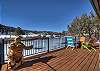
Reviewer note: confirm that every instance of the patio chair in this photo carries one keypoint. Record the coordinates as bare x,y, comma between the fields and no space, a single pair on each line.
69,42
90,45
97,44
77,42
82,39
94,43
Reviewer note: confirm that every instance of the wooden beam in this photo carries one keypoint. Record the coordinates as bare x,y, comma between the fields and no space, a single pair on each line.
96,6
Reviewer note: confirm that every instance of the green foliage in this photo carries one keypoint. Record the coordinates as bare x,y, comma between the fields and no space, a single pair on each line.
83,25
19,31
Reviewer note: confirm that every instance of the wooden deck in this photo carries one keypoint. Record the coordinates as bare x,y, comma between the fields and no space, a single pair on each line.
64,60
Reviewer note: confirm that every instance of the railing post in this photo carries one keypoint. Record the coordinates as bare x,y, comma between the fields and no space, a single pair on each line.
1,51
59,42
48,44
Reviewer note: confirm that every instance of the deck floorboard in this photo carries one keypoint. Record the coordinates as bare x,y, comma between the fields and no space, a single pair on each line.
64,60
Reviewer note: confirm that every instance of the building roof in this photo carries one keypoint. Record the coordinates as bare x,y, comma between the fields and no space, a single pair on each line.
96,6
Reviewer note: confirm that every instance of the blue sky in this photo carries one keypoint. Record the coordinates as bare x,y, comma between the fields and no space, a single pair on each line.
50,15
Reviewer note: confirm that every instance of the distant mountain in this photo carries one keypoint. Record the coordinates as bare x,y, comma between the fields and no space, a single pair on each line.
10,30
6,29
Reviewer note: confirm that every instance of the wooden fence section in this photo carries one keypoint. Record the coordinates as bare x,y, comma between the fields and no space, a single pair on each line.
64,60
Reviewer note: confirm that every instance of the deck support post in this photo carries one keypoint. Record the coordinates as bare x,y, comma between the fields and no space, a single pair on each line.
1,52
48,44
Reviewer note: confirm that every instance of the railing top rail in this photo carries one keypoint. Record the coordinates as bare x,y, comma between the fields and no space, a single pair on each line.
26,38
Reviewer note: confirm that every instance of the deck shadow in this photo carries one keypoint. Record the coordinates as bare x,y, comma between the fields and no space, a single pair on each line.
34,61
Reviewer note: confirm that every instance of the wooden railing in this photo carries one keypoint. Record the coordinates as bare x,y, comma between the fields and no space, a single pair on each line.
40,45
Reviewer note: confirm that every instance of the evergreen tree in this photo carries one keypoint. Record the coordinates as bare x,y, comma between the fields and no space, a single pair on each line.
19,31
